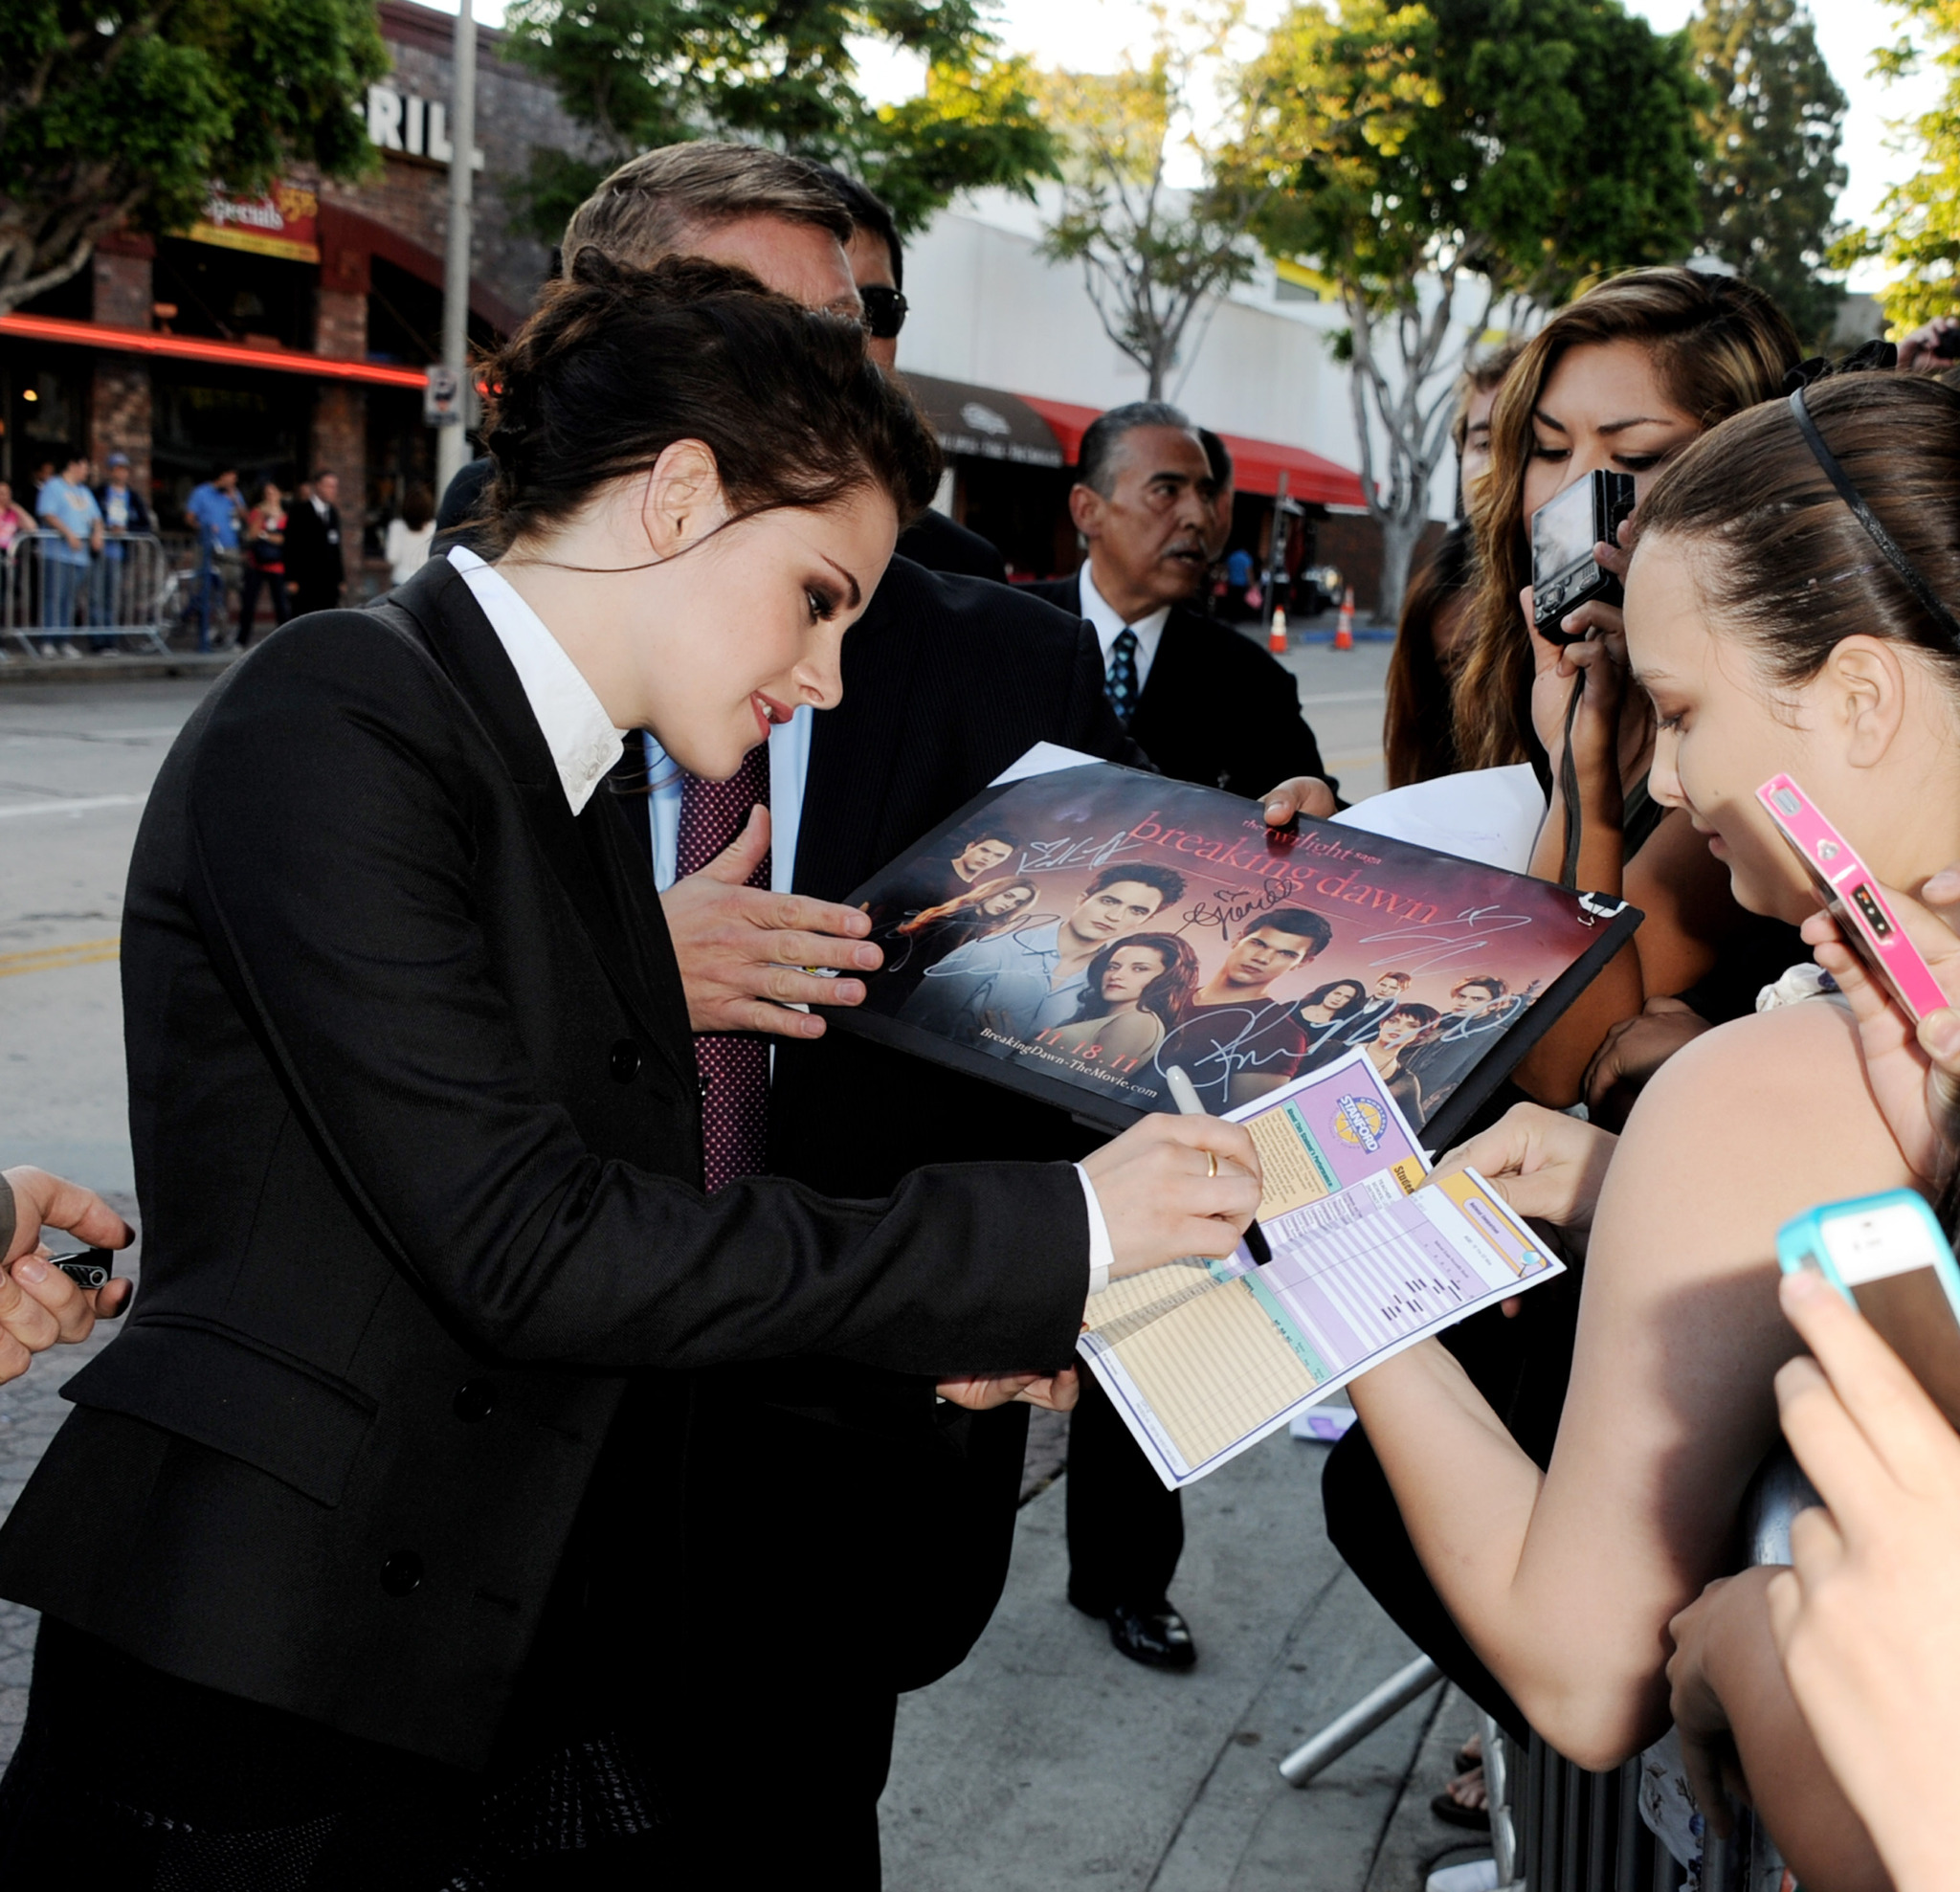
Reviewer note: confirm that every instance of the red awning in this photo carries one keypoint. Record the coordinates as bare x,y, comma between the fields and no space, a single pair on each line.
195,348
1256,464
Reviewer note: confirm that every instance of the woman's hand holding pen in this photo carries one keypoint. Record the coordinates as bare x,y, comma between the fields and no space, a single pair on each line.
1175,1185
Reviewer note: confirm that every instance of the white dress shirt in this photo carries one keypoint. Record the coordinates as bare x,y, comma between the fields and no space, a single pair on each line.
585,747
1109,625
578,732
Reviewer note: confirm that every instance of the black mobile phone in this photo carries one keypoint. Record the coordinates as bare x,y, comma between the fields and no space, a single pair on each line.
1564,531
86,1267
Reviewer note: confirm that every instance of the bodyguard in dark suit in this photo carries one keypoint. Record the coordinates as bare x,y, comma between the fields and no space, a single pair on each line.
371,1491
316,561
1205,705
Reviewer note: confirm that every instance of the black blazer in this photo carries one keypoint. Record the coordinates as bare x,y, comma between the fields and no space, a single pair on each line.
1215,708
416,1131
315,554
941,544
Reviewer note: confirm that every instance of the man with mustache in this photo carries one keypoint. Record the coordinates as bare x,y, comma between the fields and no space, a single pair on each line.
1201,700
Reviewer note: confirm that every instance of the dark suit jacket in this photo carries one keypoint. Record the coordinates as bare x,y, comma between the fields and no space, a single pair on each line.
896,1512
417,1132
1215,708
315,562
939,545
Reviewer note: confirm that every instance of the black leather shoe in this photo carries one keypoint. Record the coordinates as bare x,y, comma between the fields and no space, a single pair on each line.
1154,1635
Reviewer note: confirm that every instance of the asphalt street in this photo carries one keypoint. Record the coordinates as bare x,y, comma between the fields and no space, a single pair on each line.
1045,1760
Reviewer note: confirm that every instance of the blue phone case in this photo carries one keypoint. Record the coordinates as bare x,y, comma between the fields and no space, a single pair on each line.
1806,1242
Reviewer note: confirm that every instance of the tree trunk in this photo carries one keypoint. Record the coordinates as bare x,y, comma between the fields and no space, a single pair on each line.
1401,534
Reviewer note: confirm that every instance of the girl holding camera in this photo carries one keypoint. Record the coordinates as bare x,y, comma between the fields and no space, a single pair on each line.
1621,380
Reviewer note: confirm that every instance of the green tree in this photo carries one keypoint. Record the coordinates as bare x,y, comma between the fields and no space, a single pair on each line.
642,73
1440,161
1153,255
1773,123
1917,227
117,114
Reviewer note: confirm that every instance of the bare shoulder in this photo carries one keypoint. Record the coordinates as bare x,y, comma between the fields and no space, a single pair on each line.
1751,1123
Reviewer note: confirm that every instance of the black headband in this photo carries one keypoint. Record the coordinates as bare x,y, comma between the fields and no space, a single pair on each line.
1869,520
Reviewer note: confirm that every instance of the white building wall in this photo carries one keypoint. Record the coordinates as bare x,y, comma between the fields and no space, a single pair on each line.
987,308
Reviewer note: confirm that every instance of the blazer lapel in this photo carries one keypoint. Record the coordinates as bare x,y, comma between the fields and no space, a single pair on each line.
470,653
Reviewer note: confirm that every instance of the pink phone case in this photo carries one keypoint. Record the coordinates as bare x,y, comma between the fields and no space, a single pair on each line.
1853,896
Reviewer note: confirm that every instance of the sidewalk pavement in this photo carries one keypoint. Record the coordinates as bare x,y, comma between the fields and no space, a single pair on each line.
1047,1760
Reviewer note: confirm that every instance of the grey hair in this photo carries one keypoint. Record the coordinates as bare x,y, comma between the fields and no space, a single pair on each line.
1095,459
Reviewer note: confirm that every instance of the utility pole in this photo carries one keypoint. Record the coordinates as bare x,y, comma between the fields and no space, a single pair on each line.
452,440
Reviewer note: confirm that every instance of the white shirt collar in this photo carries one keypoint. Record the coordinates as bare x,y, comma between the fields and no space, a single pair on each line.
1109,625
578,732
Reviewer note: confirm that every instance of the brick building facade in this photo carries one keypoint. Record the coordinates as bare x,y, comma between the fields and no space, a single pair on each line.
217,347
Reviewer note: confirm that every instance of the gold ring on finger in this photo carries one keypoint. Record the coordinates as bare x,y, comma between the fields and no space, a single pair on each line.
1211,1159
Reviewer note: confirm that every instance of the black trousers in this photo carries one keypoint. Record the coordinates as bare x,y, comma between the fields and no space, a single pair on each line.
1126,1532
131,1780
1522,1367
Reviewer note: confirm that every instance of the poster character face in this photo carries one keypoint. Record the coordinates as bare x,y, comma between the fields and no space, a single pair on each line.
1256,959
983,856
1392,985
1471,995
1008,900
1129,971
1401,1025
1342,995
1121,907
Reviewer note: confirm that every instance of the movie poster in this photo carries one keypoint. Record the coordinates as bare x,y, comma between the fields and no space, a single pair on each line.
1074,934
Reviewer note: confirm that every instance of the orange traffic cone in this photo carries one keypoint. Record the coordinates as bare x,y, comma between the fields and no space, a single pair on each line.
1276,639
1344,625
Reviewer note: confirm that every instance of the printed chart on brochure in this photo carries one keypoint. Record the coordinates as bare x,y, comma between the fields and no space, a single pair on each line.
1203,1359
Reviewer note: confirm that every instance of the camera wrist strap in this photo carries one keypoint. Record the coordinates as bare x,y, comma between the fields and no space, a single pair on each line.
1568,789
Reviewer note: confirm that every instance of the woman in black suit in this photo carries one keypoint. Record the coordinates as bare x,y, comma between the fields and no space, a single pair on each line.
343,1554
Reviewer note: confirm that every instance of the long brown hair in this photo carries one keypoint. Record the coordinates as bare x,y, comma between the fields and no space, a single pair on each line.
1166,996
1718,345
1419,736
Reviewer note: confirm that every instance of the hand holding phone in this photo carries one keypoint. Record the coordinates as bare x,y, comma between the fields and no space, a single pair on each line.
1888,1256
1851,892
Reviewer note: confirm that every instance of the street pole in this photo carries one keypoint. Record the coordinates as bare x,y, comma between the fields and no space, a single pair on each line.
452,441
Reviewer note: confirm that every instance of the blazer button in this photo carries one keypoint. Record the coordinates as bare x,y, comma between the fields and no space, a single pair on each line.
402,1573
625,1062
475,1400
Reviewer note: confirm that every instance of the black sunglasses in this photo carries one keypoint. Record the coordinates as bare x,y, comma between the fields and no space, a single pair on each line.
884,309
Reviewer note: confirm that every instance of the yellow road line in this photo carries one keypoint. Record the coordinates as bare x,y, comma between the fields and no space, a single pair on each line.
48,958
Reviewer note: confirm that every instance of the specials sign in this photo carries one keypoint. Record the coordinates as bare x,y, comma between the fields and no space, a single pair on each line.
285,222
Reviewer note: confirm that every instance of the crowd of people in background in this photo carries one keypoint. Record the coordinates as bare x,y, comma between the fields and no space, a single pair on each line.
69,573
497,908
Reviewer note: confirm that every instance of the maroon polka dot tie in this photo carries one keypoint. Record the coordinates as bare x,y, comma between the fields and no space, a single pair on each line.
734,1066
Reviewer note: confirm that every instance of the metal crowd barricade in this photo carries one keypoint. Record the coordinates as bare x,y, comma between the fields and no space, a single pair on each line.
1556,1828
119,599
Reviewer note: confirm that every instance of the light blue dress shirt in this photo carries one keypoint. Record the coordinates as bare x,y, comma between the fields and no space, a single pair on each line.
789,771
